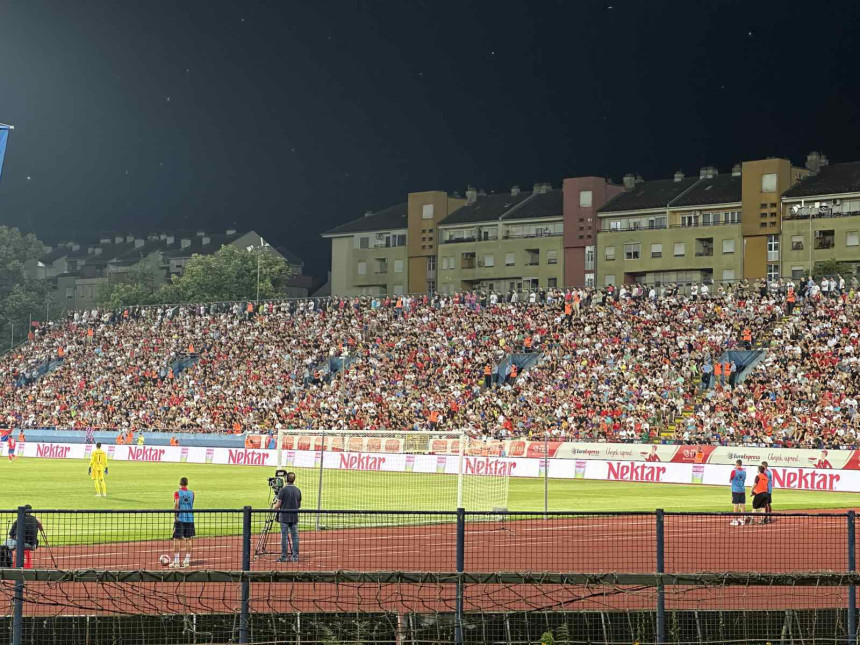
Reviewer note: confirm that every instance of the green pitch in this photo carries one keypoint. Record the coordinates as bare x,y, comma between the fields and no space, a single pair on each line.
64,484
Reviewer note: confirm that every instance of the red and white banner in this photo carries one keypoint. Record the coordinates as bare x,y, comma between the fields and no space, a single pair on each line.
627,470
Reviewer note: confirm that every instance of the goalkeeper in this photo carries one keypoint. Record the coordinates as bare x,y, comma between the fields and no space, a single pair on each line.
98,470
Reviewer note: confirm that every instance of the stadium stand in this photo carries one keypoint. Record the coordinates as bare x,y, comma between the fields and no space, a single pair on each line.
619,364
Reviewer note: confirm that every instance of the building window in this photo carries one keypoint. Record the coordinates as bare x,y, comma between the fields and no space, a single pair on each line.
733,217
552,283
797,273
728,246
768,184
431,286
773,248
589,258
467,260
824,239
398,266
431,263
689,220
589,279
533,257
609,253
679,250
852,238
608,279
631,251
398,289
362,268
489,260
552,257
728,275
510,259
797,242
704,247
427,211
585,198
772,272
364,242
656,250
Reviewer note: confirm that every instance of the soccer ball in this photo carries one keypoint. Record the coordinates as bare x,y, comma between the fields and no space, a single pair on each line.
164,560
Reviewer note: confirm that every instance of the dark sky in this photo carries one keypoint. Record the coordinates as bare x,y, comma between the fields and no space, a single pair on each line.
292,117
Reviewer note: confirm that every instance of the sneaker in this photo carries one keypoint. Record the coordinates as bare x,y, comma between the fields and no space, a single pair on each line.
735,523
174,564
186,563
282,560
295,558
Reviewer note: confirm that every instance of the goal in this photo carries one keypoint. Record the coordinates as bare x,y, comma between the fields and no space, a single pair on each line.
394,471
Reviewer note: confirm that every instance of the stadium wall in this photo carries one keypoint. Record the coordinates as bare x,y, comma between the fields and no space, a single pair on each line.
824,479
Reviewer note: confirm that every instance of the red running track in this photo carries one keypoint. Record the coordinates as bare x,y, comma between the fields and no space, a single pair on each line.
598,544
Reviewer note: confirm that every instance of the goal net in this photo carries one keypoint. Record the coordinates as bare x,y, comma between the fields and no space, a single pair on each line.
394,471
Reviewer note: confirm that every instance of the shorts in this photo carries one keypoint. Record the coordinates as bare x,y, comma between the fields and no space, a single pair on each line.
769,498
98,474
183,530
760,500
739,498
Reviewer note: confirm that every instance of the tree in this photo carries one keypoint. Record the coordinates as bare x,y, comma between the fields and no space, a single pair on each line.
20,297
230,274
144,285
829,268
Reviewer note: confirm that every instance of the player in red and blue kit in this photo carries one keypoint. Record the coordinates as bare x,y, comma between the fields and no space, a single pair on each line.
738,480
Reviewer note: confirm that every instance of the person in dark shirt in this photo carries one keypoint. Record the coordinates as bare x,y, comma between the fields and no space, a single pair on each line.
289,501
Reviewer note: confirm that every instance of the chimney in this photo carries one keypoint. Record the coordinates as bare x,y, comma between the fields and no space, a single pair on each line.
824,160
76,246
541,188
708,172
736,170
138,242
89,250
629,181
129,239
515,190
813,162
104,240
471,194
184,243
679,175
97,250
201,233
118,239
639,179
169,239
231,231
162,236
204,241
368,213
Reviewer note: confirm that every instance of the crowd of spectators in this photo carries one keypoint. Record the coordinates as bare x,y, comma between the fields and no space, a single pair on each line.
615,365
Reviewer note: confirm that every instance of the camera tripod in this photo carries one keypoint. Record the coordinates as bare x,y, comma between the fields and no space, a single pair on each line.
263,541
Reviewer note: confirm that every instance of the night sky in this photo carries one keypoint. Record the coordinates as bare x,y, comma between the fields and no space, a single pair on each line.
293,117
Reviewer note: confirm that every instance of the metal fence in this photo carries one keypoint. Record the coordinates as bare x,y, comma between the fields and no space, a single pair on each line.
422,577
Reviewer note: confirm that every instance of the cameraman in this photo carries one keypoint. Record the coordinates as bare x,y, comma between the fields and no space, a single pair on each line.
30,535
289,501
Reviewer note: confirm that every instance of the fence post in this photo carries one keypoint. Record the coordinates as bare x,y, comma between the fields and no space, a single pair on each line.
245,615
461,565
661,593
320,484
18,612
852,590
545,475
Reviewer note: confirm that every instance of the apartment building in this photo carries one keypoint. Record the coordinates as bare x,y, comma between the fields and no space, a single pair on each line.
392,250
583,197
821,217
696,229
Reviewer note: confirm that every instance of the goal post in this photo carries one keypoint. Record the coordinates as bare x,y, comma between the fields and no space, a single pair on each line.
395,471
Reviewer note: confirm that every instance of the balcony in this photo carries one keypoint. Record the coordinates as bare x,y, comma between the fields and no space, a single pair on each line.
631,227
703,224
826,214
705,253
523,236
824,240
457,240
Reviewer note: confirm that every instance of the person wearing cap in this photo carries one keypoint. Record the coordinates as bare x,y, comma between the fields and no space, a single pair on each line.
29,533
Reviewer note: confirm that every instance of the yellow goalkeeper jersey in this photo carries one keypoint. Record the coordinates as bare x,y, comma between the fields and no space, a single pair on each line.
98,459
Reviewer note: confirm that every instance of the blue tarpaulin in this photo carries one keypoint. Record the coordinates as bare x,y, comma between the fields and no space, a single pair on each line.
4,137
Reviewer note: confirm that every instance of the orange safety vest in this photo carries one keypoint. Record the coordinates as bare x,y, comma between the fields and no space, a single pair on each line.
727,368
434,416
747,335
487,370
528,341
568,309
190,348
718,369
700,457
791,296
761,484
513,371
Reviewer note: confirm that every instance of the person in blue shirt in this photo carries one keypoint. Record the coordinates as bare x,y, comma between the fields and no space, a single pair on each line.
183,524
738,479
767,508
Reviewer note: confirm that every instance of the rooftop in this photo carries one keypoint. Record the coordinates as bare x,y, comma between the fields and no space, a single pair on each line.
722,189
648,194
393,217
830,180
